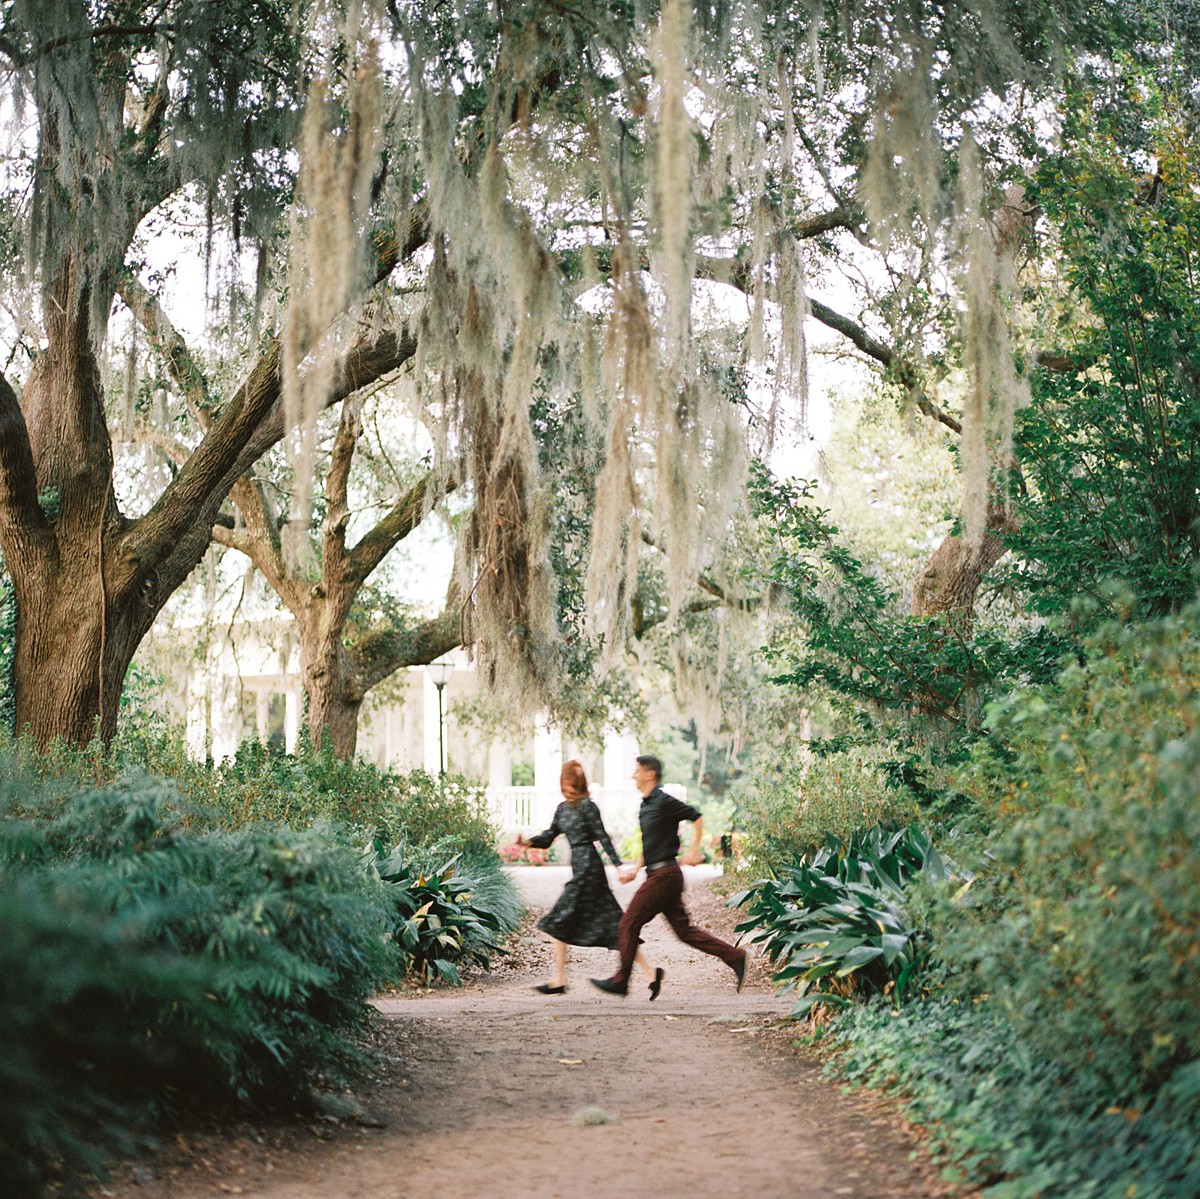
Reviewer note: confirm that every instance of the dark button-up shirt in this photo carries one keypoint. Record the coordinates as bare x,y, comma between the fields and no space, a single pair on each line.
659,817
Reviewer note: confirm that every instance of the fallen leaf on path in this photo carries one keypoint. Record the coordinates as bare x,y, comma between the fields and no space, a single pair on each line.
570,1061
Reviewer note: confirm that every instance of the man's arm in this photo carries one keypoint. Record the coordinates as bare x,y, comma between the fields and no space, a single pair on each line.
629,873
695,855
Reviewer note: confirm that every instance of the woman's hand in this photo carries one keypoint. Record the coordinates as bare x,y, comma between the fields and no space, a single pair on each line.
521,841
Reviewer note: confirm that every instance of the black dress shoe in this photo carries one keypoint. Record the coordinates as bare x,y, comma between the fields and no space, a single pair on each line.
547,989
656,985
607,984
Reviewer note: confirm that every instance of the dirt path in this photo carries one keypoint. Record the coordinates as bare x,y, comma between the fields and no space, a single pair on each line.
494,1091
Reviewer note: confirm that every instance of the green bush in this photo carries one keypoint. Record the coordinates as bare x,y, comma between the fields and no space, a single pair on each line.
175,966
792,810
1091,939
82,1003
1062,1056
261,783
999,1114
297,926
438,922
166,945
492,890
837,924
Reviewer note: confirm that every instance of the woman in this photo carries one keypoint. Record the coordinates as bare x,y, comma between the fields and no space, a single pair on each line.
586,912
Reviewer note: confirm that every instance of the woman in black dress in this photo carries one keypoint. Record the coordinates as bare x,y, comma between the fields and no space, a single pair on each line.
586,912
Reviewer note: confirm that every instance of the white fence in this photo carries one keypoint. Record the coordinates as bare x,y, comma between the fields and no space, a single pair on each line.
530,809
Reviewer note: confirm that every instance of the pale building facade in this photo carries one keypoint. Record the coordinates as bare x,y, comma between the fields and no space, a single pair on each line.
232,687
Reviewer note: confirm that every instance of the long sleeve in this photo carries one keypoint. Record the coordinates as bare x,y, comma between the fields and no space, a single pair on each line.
600,833
546,839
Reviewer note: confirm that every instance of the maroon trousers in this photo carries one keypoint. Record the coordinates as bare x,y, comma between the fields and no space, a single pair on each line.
662,892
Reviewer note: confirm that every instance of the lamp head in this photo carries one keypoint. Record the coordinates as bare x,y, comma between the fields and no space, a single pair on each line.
439,673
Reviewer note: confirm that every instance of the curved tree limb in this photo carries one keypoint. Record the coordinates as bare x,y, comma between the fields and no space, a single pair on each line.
182,365
887,357
382,652
24,529
404,516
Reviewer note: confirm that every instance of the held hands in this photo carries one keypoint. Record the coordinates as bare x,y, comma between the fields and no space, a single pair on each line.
627,874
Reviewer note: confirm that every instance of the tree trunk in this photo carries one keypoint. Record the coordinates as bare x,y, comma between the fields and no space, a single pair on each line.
77,624
950,579
334,690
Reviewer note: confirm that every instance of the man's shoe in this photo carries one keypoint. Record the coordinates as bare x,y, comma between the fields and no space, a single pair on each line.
547,989
740,971
656,985
607,984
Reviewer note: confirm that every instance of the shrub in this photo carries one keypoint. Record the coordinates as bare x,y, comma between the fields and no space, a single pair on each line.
1092,941
436,920
837,923
82,1000
261,783
154,957
1008,1118
793,810
1062,1058
297,925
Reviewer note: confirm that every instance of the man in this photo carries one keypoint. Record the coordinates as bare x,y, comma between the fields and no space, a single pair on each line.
659,817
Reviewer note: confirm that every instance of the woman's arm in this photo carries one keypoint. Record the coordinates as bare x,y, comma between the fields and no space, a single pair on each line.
600,833
543,840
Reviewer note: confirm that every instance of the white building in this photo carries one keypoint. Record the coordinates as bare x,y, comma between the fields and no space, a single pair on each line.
232,686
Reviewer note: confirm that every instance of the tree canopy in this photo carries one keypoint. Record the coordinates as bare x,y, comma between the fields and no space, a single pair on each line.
505,203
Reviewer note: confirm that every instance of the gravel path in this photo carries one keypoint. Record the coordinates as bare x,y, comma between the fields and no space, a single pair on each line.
495,1092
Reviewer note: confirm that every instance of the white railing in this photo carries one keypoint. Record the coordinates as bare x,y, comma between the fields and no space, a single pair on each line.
530,809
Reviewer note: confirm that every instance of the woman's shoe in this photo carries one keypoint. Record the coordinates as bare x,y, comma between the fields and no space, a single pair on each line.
656,985
547,989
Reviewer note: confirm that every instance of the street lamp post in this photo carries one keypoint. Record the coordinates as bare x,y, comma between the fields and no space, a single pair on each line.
439,676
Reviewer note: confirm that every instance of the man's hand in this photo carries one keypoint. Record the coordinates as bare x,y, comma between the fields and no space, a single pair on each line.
695,855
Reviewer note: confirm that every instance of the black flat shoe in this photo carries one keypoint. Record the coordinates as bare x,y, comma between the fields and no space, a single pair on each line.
547,989
656,985
607,984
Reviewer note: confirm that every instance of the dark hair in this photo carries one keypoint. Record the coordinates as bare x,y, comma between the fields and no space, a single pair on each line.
651,763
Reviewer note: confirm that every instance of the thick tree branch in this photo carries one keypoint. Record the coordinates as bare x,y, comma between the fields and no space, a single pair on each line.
382,652
741,603
238,538
337,478
845,216
182,365
395,244
903,371
404,516
24,528
642,624
249,426
262,524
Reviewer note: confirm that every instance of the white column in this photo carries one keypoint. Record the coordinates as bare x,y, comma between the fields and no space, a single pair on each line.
547,767
429,723
620,757
291,716
499,764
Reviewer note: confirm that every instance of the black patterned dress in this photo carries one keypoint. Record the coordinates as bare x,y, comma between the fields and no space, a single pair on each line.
586,912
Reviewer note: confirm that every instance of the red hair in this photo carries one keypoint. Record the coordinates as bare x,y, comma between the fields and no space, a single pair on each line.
573,781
